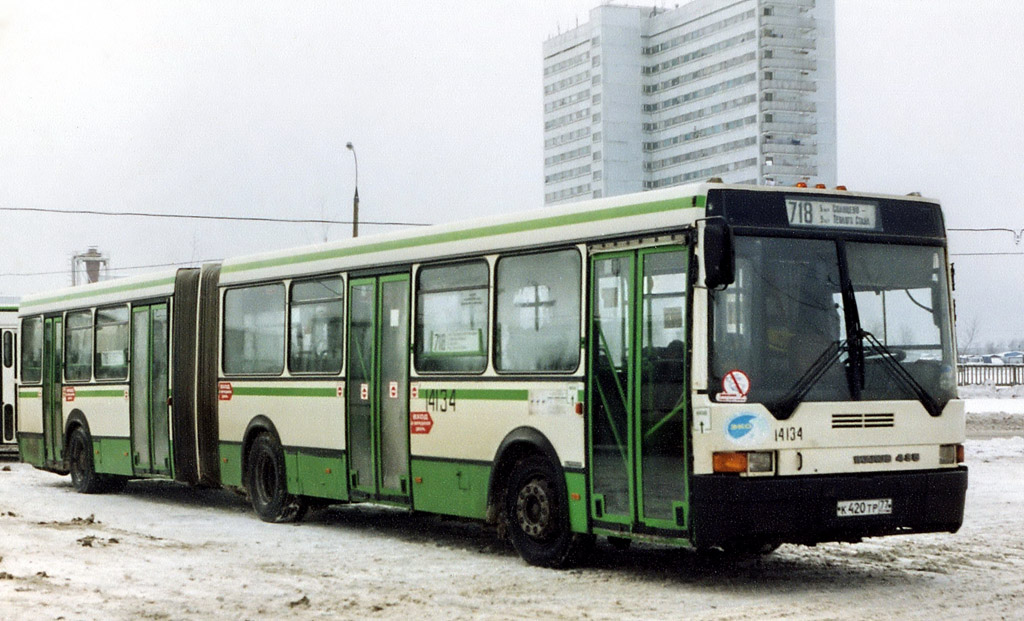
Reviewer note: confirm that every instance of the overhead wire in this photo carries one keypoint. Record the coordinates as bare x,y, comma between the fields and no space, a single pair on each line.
186,216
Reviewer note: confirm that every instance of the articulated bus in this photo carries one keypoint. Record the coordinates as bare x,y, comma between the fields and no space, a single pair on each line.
8,368
713,365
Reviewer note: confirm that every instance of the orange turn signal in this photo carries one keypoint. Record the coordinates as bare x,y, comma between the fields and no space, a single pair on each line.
729,462
960,457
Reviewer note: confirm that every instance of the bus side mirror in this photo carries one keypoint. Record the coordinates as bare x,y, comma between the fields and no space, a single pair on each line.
719,263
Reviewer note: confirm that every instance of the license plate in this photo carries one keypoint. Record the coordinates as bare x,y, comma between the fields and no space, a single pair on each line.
854,508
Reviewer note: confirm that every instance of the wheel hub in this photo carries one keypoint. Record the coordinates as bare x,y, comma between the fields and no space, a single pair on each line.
533,509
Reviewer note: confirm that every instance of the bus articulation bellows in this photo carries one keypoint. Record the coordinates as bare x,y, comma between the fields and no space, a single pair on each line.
712,365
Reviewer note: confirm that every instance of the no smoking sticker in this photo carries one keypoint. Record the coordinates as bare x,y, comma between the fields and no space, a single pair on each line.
735,387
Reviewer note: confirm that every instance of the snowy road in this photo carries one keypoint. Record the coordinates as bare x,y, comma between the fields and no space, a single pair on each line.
164,551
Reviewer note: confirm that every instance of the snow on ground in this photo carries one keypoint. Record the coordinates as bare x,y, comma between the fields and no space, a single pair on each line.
161,550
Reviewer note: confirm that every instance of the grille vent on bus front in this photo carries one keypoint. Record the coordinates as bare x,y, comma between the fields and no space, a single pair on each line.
863,421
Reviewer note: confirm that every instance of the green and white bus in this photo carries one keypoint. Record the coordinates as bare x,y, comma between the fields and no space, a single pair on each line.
710,365
8,368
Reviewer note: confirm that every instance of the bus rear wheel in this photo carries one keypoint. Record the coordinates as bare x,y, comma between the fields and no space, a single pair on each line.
83,474
538,519
267,485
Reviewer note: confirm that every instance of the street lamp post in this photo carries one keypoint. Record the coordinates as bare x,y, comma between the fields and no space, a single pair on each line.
355,197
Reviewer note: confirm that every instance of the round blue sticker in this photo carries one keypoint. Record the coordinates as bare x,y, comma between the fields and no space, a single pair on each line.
747,428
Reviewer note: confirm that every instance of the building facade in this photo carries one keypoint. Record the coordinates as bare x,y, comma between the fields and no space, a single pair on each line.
640,98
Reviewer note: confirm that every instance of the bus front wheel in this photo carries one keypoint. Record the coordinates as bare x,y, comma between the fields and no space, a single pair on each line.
537,516
267,485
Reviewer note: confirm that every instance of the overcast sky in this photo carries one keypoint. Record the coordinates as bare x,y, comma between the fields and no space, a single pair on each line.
245,109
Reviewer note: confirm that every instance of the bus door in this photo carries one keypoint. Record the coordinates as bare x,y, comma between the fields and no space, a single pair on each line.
151,443
53,397
637,389
377,388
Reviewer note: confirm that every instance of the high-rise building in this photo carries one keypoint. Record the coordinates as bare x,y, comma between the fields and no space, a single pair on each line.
640,98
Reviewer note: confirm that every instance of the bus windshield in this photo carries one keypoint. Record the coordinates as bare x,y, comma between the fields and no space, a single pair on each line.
827,320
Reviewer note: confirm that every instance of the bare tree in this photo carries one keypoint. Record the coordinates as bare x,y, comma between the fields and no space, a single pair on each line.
967,334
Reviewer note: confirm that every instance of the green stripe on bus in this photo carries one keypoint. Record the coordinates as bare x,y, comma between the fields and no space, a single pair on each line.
28,394
484,231
104,291
85,394
490,394
269,391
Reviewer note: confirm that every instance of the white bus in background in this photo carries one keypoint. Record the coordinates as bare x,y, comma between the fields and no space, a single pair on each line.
8,368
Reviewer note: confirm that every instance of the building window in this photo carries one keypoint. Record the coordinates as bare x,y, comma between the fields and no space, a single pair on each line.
597,193
32,350
596,99
597,136
596,61
78,346
768,53
451,318
769,117
768,11
597,175
254,326
768,75
538,313
316,326
768,96
597,156
112,343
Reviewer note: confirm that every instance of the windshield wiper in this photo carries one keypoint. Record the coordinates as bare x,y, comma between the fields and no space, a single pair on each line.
812,376
897,370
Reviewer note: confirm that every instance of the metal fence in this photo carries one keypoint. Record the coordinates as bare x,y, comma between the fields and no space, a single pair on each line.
997,375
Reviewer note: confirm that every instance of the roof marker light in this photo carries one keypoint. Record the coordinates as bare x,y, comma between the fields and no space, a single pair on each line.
801,184
820,186
841,188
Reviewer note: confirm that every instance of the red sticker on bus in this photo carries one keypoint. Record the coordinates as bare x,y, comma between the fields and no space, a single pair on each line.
393,390
69,393
420,422
735,387
224,391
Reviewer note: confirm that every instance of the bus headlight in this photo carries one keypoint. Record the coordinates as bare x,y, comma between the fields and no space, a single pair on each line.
761,462
748,462
951,454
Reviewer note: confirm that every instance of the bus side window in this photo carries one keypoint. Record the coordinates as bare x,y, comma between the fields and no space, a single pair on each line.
254,329
8,349
31,350
316,326
451,318
112,343
538,312
78,346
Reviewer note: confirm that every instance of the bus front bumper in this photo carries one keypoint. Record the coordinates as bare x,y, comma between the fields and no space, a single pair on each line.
731,511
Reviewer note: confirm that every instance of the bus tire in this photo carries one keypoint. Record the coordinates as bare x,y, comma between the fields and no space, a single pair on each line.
80,464
113,484
537,517
267,484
